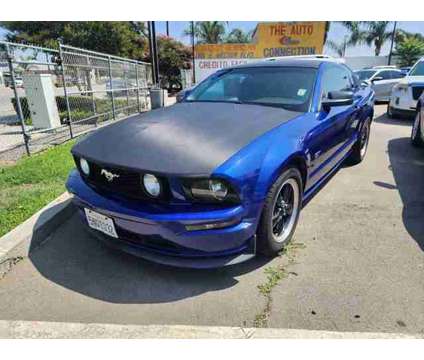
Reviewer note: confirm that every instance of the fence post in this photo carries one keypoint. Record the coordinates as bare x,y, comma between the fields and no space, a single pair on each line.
111,88
90,88
138,88
128,91
68,109
17,99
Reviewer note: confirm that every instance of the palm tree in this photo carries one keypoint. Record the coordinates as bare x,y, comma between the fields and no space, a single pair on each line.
356,34
238,36
355,37
340,49
376,34
208,32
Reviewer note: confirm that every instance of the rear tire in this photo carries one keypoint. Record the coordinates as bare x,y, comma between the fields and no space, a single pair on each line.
416,139
360,148
280,213
389,112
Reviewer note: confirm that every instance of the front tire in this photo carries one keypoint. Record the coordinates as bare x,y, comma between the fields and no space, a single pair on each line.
416,139
280,213
360,148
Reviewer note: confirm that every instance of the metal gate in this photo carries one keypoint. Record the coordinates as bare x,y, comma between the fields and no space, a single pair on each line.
90,89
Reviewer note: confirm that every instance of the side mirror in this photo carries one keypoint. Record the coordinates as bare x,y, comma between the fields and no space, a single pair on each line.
182,94
337,98
377,78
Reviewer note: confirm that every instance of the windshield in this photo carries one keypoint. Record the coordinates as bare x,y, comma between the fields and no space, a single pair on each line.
417,70
365,74
286,87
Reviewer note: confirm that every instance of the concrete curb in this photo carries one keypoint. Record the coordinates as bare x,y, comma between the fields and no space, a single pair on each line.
57,330
31,233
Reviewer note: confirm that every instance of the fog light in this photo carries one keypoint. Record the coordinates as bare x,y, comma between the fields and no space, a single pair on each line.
84,166
218,188
151,184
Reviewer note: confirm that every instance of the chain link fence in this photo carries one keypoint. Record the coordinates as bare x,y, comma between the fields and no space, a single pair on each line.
48,96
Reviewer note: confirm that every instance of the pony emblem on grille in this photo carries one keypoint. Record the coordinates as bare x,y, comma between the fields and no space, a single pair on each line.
109,175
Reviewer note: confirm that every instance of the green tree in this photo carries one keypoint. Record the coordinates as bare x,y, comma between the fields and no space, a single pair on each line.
376,33
238,36
409,51
207,32
122,38
173,56
402,35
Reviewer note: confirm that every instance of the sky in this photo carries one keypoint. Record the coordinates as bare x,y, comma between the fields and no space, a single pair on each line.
337,33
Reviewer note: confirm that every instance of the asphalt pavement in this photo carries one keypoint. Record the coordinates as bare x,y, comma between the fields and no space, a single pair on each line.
356,263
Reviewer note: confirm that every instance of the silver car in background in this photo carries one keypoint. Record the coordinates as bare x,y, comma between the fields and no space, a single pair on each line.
382,80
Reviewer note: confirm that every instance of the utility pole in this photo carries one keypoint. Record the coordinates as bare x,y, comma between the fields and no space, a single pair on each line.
392,42
149,30
167,28
192,51
153,52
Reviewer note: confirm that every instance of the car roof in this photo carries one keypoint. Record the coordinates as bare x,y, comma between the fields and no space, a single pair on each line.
380,68
289,62
385,67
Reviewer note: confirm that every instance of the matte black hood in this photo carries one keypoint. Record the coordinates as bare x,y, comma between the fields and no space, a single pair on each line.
183,139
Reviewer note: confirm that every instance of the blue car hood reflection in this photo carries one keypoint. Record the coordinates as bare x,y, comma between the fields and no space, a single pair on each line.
184,139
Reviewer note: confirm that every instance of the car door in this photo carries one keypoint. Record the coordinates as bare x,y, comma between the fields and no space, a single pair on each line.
382,84
333,133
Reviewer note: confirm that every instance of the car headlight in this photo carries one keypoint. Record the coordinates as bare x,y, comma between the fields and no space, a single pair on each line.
151,185
85,167
210,190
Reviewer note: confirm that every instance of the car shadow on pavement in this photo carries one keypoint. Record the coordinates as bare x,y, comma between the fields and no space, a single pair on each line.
76,260
401,121
407,165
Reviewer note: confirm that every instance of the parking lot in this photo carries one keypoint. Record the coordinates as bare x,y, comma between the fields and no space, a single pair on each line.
356,264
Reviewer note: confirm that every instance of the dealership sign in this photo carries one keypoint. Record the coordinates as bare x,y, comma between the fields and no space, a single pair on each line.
269,40
206,67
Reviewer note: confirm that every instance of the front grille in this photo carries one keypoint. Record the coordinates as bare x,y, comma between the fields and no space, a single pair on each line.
127,183
417,91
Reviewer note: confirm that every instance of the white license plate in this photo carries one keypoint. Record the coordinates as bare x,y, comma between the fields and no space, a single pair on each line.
100,222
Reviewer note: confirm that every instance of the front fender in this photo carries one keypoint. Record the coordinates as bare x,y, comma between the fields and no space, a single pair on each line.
256,167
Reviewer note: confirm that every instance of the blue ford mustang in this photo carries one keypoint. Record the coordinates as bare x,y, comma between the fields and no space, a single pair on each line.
224,173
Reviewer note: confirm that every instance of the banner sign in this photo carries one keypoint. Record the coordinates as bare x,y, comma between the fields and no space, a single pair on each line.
270,39
206,67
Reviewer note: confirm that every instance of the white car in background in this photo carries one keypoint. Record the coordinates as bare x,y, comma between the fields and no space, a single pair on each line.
405,95
382,79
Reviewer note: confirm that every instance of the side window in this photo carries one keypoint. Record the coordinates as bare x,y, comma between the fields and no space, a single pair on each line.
355,80
336,78
385,75
397,74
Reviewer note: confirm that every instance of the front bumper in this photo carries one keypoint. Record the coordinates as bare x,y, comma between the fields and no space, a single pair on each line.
158,232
